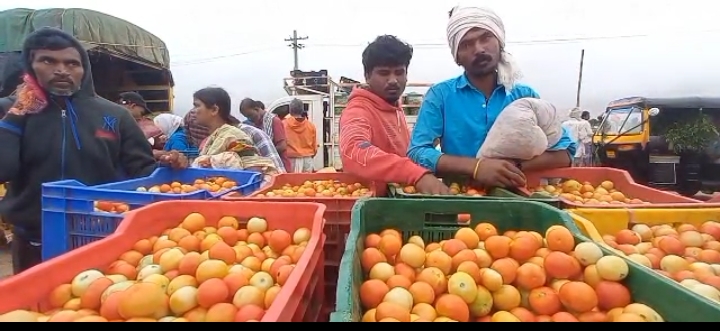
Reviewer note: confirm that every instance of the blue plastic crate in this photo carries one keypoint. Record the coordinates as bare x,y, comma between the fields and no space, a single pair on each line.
69,219
248,181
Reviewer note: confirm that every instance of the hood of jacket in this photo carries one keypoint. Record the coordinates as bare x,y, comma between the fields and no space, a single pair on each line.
87,88
295,125
11,75
575,113
362,95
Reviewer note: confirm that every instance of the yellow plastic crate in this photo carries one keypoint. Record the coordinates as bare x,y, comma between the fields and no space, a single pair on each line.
611,221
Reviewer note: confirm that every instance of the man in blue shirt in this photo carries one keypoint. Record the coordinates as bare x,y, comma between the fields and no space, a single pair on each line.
460,111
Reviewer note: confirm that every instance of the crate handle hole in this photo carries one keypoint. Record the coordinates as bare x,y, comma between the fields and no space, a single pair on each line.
444,220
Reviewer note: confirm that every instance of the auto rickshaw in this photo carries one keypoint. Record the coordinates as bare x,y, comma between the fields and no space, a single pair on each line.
631,136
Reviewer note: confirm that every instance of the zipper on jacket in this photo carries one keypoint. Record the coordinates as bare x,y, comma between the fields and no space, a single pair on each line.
64,134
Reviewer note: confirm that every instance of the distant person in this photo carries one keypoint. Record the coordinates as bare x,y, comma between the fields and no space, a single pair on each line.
135,103
273,126
374,136
196,132
227,146
301,138
264,145
173,133
589,150
283,112
581,133
59,128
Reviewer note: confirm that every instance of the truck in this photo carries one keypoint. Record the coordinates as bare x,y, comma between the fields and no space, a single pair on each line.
123,56
324,99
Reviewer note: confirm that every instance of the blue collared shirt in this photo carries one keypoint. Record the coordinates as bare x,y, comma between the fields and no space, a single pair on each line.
460,115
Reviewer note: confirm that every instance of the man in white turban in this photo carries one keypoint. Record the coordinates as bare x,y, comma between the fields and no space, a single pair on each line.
461,110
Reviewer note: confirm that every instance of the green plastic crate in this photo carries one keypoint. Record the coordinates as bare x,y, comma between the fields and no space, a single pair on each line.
494,194
436,220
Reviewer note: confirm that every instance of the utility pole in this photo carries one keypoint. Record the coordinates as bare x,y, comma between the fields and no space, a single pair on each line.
296,46
579,83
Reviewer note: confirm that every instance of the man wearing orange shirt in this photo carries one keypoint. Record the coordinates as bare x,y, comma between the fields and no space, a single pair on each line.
301,138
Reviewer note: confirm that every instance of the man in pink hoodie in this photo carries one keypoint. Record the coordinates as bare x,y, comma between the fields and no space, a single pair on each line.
374,136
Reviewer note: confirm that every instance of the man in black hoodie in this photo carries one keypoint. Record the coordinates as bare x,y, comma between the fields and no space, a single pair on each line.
72,134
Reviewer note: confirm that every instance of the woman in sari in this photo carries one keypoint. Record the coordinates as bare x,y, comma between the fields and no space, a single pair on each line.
227,147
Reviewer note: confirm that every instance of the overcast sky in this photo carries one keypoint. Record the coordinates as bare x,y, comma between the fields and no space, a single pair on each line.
239,45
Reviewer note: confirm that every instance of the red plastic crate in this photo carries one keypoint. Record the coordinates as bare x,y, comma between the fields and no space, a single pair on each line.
623,183
300,299
337,217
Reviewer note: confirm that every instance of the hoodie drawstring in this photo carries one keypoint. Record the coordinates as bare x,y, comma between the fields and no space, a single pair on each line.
73,123
73,129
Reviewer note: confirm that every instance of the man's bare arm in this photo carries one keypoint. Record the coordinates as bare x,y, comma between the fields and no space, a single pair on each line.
456,165
548,160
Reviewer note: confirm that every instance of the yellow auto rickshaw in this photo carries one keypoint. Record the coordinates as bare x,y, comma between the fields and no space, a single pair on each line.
637,134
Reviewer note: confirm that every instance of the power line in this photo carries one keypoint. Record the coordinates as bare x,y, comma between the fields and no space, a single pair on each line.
432,45
216,58
528,42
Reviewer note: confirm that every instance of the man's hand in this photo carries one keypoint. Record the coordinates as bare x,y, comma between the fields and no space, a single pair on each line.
175,160
499,173
203,161
158,154
430,184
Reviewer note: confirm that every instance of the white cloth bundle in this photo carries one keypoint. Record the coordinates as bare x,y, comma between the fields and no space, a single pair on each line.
525,129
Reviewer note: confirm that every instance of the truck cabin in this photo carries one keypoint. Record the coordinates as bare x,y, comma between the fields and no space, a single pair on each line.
123,56
675,141
622,117
113,75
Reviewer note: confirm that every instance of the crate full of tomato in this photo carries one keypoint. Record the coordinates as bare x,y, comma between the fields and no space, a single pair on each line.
74,214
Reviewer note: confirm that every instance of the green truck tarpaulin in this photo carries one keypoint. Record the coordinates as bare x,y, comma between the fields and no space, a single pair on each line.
97,31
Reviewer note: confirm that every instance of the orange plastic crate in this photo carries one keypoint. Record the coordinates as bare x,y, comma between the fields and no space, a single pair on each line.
299,300
623,183
337,216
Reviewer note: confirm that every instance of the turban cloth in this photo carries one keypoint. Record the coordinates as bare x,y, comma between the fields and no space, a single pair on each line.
464,19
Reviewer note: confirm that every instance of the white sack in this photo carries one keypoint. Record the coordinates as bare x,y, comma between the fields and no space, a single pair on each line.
525,129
